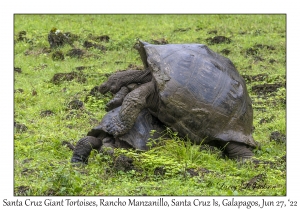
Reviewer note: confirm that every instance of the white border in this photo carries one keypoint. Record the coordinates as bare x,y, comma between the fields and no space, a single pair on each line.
8,8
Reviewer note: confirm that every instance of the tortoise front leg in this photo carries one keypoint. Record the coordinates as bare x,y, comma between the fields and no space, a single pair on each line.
138,99
120,96
124,78
118,99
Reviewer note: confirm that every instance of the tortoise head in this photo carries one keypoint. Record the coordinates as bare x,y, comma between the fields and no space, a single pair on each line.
110,85
104,88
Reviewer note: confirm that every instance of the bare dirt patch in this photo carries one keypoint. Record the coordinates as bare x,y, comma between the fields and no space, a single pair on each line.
58,56
19,90
198,171
255,50
212,32
17,69
61,77
46,113
278,137
75,104
262,46
27,171
102,38
81,68
160,41
20,127
218,40
123,163
182,29
88,45
160,171
263,89
21,36
225,51
267,120
76,53
58,39
21,190
192,172
28,160
255,78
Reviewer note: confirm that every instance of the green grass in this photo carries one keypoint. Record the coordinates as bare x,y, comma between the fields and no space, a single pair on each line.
41,163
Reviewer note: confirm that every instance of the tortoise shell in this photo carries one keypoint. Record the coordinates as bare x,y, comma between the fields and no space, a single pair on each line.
201,94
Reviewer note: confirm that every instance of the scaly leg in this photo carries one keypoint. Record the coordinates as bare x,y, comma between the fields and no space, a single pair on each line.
138,99
118,99
124,78
84,147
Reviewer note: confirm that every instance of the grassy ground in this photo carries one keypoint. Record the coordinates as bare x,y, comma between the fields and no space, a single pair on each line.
44,120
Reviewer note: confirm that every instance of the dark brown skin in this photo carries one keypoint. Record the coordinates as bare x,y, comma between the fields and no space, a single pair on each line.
140,98
118,99
120,96
124,78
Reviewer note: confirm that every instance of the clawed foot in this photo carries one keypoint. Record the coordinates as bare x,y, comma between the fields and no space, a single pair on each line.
83,149
78,161
116,127
118,99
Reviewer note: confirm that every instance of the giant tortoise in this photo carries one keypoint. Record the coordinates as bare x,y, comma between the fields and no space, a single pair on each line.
191,89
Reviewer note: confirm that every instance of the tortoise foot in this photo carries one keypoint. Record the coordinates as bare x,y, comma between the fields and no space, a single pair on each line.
83,149
77,160
116,127
117,100
238,151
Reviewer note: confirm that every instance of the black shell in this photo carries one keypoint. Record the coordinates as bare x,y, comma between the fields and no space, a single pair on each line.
138,135
201,93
